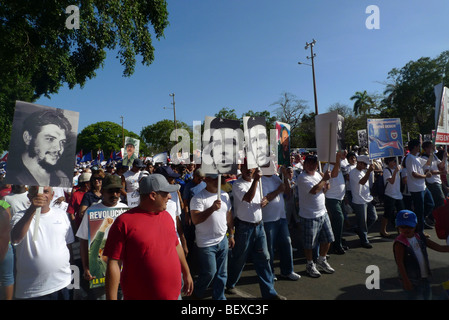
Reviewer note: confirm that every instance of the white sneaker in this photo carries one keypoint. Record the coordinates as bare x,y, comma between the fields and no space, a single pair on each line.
324,266
292,276
312,270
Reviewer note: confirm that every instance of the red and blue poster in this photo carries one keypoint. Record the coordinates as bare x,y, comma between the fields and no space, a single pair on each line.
385,138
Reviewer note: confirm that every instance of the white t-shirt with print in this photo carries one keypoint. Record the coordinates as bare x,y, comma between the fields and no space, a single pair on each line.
83,230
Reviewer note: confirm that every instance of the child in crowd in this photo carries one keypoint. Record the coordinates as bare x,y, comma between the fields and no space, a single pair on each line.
410,252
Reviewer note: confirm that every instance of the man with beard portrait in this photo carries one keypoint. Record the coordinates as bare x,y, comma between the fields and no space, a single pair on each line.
38,150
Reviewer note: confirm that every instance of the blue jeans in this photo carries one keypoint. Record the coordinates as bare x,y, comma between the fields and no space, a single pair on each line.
7,268
423,205
250,239
62,294
213,265
421,290
366,216
278,236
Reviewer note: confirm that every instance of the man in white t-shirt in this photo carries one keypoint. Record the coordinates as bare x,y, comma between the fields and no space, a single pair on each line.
110,199
133,175
17,199
364,209
392,195
416,182
436,167
315,225
212,218
250,235
43,263
276,225
334,200
174,204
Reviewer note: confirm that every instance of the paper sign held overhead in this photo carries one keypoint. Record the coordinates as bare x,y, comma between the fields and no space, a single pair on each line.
329,135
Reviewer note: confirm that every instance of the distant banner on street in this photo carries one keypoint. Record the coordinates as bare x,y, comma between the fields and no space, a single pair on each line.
160,158
442,125
385,138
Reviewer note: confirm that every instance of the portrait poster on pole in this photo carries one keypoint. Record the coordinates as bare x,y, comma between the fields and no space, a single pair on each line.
222,140
131,151
329,135
385,138
256,142
283,143
43,146
362,138
100,220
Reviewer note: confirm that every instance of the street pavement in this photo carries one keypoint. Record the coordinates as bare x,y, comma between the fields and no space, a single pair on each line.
351,274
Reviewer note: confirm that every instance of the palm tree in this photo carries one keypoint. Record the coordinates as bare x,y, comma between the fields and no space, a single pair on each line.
363,102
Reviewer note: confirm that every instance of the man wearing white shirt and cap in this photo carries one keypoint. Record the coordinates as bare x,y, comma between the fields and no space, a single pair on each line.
315,225
364,209
212,218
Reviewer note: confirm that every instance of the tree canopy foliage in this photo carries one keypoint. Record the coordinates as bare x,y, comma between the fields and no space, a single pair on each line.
39,53
107,136
157,135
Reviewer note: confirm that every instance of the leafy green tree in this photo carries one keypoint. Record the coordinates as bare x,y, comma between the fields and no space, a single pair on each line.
411,92
157,135
227,113
106,136
270,120
303,136
39,54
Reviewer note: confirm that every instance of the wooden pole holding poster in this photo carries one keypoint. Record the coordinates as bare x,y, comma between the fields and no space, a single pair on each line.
219,187
37,216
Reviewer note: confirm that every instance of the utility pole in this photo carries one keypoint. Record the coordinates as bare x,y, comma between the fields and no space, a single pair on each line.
312,56
123,134
174,115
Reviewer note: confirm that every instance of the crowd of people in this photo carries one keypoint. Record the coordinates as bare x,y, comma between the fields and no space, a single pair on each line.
183,231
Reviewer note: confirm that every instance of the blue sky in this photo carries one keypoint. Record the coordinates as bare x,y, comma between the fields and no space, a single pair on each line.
243,54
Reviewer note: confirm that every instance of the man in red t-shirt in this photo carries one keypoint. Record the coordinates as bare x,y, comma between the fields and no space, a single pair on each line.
144,242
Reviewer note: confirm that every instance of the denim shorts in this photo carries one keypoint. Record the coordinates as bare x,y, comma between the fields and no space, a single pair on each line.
7,269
